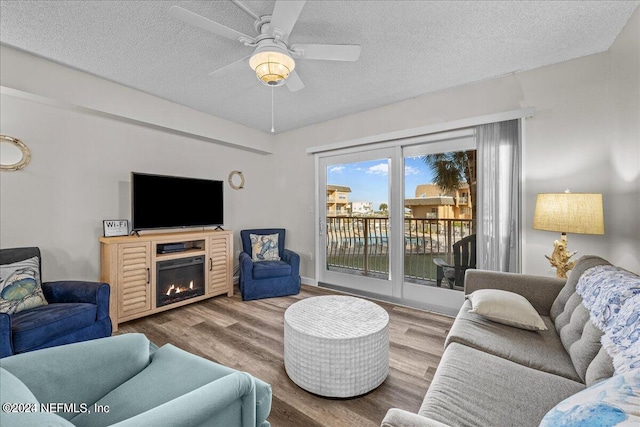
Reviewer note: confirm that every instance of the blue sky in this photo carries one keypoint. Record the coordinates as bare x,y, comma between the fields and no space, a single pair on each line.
369,181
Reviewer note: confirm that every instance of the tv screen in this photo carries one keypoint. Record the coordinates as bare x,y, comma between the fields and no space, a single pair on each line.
159,201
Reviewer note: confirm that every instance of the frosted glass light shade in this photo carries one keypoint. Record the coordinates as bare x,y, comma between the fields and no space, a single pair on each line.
272,67
577,213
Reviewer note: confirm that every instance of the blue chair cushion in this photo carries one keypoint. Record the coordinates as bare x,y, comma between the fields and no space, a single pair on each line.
267,269
34,327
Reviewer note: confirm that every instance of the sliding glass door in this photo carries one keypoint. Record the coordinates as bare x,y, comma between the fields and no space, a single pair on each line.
355,228
439,200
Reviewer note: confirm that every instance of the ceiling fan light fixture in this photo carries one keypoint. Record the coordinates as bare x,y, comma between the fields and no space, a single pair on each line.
272,67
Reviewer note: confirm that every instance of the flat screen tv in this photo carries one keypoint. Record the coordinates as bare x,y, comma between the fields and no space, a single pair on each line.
159,201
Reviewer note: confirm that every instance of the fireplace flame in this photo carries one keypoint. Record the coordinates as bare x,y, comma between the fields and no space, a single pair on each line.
173,289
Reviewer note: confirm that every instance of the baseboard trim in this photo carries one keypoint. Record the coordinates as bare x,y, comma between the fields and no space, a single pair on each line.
304,280
308,281
447,311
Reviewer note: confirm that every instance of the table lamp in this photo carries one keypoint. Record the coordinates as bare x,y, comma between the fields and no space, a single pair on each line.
579,213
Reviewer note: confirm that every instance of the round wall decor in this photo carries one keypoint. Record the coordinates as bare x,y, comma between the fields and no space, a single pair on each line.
14,154
236,180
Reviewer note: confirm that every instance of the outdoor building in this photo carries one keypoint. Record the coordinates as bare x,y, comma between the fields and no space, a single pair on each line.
362,208
432,202
338,199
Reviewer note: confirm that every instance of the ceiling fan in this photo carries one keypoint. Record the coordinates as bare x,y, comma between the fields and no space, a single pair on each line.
273,59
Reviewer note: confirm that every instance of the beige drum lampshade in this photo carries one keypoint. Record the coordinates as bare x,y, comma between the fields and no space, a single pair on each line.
577,213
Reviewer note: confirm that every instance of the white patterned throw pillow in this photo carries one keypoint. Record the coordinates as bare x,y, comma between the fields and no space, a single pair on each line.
264,247
613,402
20,286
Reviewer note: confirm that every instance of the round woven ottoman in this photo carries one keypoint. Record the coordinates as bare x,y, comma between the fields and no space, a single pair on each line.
336,346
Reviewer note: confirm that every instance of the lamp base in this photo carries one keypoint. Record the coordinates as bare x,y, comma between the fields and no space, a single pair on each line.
560,257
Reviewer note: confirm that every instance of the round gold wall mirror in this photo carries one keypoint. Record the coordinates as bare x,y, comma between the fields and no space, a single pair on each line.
14,154
236,180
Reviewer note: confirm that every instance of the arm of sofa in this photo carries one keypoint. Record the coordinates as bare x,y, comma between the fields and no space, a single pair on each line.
81,372
202,404
400,418
6,348
79,291
293,259
246,267
540,291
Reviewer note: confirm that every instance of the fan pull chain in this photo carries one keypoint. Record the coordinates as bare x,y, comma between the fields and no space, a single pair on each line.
272,128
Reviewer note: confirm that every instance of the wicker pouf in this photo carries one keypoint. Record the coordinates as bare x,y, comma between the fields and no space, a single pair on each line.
336,346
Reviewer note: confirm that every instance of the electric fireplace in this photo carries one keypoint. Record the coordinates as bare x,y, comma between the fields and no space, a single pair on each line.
179,279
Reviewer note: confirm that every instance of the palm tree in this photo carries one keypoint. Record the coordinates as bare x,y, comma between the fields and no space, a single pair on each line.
451,170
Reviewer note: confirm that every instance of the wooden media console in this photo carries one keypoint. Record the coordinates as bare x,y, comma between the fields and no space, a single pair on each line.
130,265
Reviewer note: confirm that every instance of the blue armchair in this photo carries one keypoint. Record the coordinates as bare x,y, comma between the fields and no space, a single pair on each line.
267,279
76,311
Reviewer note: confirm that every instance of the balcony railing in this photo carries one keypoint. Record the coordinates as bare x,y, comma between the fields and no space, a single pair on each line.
360,245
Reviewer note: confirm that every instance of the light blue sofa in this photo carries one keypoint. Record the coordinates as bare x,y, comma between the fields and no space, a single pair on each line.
166,387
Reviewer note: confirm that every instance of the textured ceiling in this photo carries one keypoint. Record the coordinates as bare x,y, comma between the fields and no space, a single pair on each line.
409,48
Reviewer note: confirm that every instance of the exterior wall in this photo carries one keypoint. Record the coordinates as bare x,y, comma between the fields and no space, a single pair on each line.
337,200
430,197
362,208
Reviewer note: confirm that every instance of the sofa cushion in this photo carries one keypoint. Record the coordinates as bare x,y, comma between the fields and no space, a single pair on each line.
172,373
20,287
615,401
473,388
540,350
81,372
13,391
34,327
584,263
600,368
507,308
581,339
267,269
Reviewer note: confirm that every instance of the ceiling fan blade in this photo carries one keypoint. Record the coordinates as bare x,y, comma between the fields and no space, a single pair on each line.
293,82
235,67
207,24
327,52
284,17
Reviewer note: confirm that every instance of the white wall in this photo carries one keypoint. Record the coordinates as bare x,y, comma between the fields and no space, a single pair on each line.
584,136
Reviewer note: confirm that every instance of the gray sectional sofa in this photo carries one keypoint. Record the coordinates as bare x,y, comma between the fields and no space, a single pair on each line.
497,375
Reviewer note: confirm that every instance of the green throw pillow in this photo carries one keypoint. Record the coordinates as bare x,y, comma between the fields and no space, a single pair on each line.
264,247
20,287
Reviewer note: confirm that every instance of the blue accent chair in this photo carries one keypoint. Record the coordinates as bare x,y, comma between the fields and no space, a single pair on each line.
76,311
267,279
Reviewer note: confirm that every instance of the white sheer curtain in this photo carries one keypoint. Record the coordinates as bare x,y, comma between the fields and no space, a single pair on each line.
498,214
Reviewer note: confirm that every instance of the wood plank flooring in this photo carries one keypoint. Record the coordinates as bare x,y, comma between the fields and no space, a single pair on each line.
248,336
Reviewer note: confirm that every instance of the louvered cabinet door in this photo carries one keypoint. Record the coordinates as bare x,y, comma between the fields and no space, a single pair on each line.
220,265
134,278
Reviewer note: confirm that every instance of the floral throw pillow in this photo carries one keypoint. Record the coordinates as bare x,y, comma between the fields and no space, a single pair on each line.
613,402
20,286
264,247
